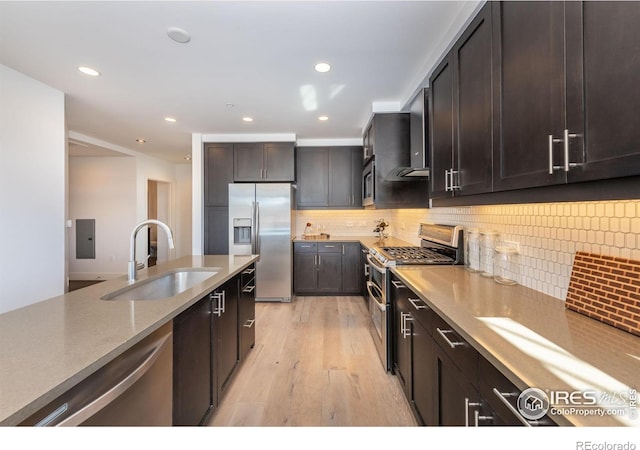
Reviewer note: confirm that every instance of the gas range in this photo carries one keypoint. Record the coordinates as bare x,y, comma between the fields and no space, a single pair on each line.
440,245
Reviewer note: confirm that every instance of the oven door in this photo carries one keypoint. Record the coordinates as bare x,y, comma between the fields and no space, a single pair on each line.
368,184
378,323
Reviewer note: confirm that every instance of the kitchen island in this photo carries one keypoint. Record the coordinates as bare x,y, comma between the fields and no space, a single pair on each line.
51,346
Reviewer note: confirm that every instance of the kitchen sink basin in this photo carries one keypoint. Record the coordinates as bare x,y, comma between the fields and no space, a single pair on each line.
163,286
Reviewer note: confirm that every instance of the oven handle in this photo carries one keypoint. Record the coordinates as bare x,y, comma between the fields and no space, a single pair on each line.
375,265
381,306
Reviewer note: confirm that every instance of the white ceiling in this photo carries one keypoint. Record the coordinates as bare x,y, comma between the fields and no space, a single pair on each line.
258,56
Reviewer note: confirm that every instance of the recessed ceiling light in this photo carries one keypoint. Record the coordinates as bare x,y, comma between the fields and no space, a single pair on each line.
169,119
89,71
229,105
178,35
322,67
188,157
323,118
140,141
247,119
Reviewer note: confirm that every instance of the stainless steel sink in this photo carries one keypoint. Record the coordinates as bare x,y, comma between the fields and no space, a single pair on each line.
163,286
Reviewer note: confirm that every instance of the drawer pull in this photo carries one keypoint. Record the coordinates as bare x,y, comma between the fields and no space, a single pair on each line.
444,333
305,246
249,323
503,398
398,285
417,303
329,246
248,289
248,271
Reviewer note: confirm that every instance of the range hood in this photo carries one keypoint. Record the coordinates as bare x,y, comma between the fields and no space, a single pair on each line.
407,173
415,160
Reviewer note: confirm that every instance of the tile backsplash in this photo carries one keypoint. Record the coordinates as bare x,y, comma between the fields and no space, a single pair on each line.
549,234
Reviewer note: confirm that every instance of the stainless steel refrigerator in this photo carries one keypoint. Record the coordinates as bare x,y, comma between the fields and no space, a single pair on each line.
262,222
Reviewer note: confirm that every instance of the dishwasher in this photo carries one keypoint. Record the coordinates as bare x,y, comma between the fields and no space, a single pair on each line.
135,389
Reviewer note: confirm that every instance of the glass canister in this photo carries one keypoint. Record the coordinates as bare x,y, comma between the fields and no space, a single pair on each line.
488,242
505,265
472,250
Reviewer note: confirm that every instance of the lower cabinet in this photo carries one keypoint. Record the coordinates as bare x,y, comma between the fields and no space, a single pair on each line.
446,381
210,339
321,268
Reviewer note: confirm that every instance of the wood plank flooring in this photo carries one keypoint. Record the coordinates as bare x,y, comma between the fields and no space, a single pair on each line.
314,364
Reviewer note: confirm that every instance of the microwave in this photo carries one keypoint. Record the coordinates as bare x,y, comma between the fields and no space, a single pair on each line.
368,184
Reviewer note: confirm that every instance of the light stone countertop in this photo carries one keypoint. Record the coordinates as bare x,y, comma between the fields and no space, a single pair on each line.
50,346
531,337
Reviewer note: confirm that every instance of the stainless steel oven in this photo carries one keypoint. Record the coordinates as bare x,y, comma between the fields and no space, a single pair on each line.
379,309
368,183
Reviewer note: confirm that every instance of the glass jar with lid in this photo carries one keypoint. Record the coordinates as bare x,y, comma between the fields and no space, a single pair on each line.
488,242
472,250
505,265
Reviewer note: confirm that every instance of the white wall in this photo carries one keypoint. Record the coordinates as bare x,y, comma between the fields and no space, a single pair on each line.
104,189
32,190
183,210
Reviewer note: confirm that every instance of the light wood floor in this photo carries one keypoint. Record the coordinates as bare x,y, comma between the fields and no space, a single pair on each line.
314,364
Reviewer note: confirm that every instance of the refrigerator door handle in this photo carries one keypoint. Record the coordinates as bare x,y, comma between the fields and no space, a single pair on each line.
257,252
253,228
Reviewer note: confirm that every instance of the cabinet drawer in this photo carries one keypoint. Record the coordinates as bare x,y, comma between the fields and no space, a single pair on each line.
303,247
333,247
460,351
247,275
497,391
414,304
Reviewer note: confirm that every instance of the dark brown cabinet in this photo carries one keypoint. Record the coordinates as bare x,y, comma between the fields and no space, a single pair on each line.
218,173
192,394
461,105
209,340
326,268
261,162
224,313
247,311
329,177
216,230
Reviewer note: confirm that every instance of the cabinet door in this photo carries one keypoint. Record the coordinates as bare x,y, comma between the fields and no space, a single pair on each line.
528,51
225,329
457,398
422,373
603,90
340,174
329,272
248,162
216,230
218,173
279,162
351,268
441,128
356,177
473,107
192,393
305,270
402,345
312,167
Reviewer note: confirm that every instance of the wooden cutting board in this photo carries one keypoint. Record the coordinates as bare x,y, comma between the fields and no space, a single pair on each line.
606,289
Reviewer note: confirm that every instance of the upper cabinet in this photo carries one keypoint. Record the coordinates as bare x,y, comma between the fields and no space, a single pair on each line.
537,94
260,162
461,114
329,177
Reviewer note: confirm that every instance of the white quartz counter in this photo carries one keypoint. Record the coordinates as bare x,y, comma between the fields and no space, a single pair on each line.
50,346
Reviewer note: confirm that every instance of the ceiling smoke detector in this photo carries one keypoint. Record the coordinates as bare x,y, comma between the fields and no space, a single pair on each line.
178,35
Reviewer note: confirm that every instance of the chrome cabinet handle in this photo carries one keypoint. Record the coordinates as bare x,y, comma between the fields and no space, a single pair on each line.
249,323
224,301
502,396
343,249
565,140
397,284
468,404
446,181
567,136
329,246
444,333
217,310
305,246
455,182
248,289
366,270
404,329
414,302
248,271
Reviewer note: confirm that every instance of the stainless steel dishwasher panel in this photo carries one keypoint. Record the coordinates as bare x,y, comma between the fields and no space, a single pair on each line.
135,389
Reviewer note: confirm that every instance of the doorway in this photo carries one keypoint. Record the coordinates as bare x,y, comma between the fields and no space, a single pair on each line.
158,207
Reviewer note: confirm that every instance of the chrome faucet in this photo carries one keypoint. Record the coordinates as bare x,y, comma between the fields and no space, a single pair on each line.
133,271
